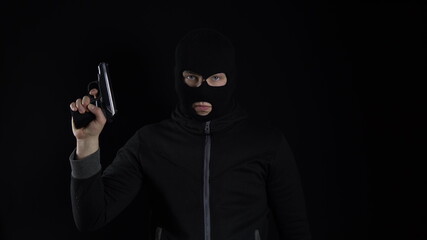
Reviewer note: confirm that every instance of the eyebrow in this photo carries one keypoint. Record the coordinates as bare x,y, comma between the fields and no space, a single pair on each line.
190,72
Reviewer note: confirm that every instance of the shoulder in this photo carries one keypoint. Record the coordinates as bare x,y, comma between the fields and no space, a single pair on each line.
265,129
261,135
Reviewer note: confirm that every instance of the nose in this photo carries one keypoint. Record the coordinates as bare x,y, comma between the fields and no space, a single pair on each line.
203,80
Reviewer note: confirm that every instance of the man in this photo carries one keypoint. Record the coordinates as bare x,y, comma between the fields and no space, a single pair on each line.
215,174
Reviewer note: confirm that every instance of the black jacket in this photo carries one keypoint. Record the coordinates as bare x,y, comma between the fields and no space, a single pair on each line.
226,179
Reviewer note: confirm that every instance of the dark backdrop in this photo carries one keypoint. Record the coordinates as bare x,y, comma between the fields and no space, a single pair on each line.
341,80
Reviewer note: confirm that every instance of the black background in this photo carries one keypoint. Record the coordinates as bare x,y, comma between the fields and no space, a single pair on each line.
341,79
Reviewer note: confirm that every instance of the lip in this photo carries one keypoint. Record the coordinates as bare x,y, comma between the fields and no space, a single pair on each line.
201,104
202,107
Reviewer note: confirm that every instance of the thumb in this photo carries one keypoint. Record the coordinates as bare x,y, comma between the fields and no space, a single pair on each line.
97,111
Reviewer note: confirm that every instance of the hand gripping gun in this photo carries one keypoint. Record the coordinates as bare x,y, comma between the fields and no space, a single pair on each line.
104,99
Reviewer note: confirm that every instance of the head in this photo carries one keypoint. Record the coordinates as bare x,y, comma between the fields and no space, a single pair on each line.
205,74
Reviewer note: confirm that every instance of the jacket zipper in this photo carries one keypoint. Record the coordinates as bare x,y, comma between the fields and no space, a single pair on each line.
207,157
159,233
257,235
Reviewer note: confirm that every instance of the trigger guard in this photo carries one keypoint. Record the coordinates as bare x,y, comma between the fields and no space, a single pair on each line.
93,83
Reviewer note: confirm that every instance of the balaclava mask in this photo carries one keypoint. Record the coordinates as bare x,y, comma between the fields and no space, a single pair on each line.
206,52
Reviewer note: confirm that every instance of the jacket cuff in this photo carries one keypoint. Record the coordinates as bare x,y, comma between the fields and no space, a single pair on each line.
85,167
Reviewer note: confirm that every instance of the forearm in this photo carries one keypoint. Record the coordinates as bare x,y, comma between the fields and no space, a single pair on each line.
87,191
99,196
86,147
88,205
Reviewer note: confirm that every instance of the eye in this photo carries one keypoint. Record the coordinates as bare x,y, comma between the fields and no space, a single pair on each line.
191,77
216,78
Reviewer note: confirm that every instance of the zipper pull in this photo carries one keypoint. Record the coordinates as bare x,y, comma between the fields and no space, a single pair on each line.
207,127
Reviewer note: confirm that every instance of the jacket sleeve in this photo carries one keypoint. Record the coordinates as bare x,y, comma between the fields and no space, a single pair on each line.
286,196
98,196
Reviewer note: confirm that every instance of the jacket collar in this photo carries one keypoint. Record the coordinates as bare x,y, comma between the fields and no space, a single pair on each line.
216,125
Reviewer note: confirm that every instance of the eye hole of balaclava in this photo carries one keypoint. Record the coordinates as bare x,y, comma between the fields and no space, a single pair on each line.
205,52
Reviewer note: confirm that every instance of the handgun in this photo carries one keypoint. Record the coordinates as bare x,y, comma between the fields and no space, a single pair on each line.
104,99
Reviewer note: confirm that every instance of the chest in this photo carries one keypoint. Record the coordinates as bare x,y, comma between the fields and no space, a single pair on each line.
229,161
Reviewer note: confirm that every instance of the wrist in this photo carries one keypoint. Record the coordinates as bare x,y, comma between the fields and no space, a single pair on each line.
86,147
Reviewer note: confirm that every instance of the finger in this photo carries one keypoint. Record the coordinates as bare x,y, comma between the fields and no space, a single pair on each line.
98,113
80,106
73,106
73,126
93,92
85,101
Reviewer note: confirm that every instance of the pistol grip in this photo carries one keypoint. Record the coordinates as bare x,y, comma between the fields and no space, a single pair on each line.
82,120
